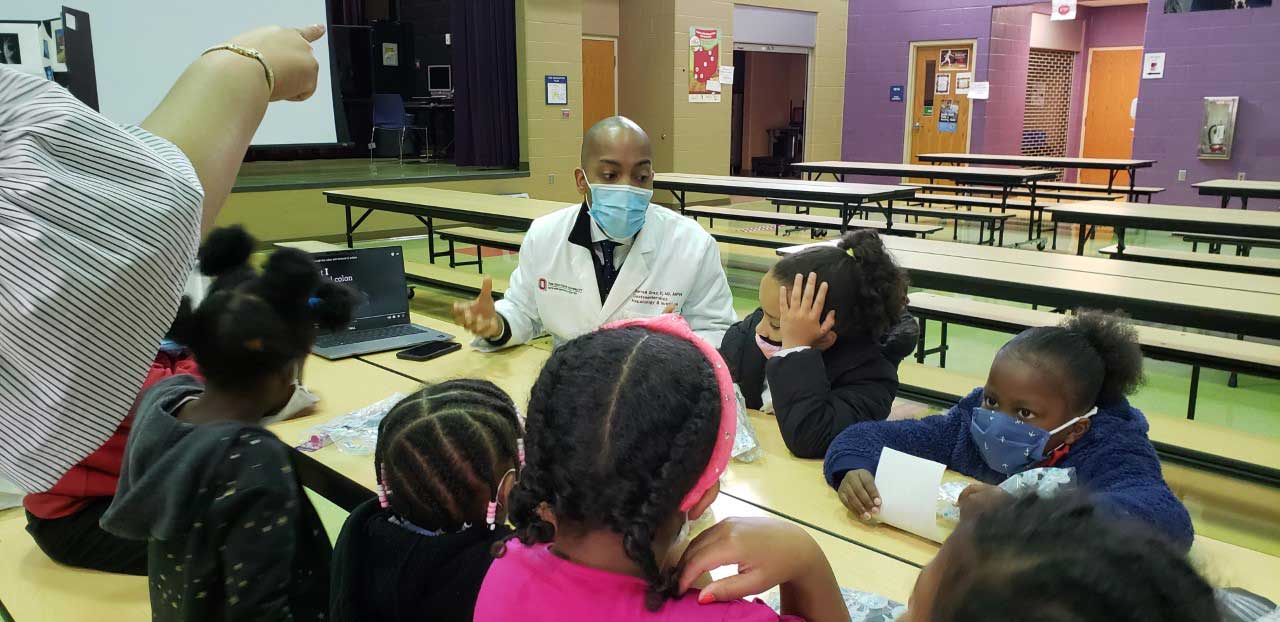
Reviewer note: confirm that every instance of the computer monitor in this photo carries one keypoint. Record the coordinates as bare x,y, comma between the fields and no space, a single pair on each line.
440,80
377,274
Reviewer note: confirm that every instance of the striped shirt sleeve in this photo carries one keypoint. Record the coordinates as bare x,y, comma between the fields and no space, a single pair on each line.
99,226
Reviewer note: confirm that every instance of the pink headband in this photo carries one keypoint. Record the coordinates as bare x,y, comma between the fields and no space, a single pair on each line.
672,324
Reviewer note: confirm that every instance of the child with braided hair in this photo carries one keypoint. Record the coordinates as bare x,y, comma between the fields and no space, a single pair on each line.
230,533
629,430
446,459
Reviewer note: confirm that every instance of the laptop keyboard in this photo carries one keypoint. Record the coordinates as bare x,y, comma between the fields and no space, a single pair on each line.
371,334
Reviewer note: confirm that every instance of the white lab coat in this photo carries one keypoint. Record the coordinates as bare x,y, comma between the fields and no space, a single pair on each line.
671,260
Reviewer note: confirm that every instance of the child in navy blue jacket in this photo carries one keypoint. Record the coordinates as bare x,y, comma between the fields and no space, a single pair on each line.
1055,396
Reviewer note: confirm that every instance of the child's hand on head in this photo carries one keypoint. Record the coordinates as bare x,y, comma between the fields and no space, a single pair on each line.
800,312
977,498
858,493
768,552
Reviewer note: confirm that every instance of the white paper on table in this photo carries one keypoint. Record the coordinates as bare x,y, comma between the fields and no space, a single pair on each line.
908,489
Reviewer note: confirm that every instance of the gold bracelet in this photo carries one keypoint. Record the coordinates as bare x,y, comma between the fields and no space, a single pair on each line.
248,53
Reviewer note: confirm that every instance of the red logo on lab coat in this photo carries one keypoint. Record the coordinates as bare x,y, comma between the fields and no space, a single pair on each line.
542,284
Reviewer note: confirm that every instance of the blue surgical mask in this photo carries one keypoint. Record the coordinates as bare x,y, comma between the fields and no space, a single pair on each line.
618,209
1008,444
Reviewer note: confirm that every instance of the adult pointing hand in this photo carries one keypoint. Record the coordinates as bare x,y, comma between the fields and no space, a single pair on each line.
288,52
479,315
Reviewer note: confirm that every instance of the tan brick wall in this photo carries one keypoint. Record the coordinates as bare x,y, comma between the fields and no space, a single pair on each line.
549,42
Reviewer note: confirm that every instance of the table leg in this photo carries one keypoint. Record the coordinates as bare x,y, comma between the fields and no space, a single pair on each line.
1195,389
1037,215
350,241
1133,177
1244,202
1226,200
1081,237
888,215
1119,240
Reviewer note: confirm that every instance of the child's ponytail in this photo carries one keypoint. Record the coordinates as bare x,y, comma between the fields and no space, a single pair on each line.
1097,352
865,287
1116,344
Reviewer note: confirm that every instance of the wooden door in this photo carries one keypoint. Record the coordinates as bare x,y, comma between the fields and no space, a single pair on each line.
598,66
1108,122
934,102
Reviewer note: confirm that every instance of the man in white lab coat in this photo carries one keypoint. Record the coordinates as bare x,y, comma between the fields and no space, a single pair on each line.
616,256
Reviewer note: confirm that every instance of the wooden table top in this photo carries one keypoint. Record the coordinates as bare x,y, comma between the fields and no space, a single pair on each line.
1045,161
1240,187
1093,265
1171,217
796,489
780,188
968,173
361,383
468,206
1163,295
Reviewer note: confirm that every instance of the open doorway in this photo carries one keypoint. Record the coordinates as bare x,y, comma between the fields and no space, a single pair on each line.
769,94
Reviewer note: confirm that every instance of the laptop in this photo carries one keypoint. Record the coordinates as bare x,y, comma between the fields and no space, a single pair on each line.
382,317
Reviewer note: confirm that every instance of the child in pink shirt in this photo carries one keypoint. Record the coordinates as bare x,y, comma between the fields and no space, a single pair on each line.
628,432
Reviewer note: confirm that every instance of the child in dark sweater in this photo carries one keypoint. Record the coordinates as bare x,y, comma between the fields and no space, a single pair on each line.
231,535
826,341
446,459
1055,396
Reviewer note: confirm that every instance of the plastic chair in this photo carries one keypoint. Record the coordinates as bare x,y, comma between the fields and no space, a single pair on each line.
389,114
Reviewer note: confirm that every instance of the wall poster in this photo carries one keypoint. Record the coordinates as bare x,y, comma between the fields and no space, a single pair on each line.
954,59
704,64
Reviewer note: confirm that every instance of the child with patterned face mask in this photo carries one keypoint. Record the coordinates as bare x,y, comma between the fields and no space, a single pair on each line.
822,351
1054,397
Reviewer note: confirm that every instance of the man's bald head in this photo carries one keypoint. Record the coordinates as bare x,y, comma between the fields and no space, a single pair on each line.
610,133
616,151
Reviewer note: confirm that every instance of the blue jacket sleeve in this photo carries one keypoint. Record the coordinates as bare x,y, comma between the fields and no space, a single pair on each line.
859,446
1130,484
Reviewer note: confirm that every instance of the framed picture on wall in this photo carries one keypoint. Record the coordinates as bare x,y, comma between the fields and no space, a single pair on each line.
1219,129
20,47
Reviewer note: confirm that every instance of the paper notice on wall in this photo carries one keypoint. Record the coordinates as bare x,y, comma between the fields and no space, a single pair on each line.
726,75
391,54
943,85
704,64
979,90
908,489
963,81
1153,66
1063,10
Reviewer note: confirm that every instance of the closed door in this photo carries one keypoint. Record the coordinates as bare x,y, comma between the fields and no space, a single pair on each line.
1109,108
598,67
939,116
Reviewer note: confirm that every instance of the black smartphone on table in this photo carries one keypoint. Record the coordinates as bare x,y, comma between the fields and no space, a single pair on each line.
429,350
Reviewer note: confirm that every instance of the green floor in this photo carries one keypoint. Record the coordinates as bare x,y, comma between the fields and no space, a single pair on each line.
1250,407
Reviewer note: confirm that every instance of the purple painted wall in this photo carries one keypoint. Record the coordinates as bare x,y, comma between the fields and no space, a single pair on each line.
1007,72
880,36
1114,26
1210,53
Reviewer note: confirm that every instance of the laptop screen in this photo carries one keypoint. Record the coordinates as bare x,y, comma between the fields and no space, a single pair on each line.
377,275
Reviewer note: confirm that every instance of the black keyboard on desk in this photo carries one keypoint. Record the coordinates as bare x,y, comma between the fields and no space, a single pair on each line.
371,334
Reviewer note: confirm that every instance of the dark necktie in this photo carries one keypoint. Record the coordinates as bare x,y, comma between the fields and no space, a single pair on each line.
608,273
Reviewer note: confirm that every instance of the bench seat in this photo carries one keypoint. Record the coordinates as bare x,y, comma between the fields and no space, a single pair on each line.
807,220
1187,259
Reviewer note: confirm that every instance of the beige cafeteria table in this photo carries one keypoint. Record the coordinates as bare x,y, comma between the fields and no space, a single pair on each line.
344,386
796,489
1163,296
1093,265
1164,218
427,204
1243,188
